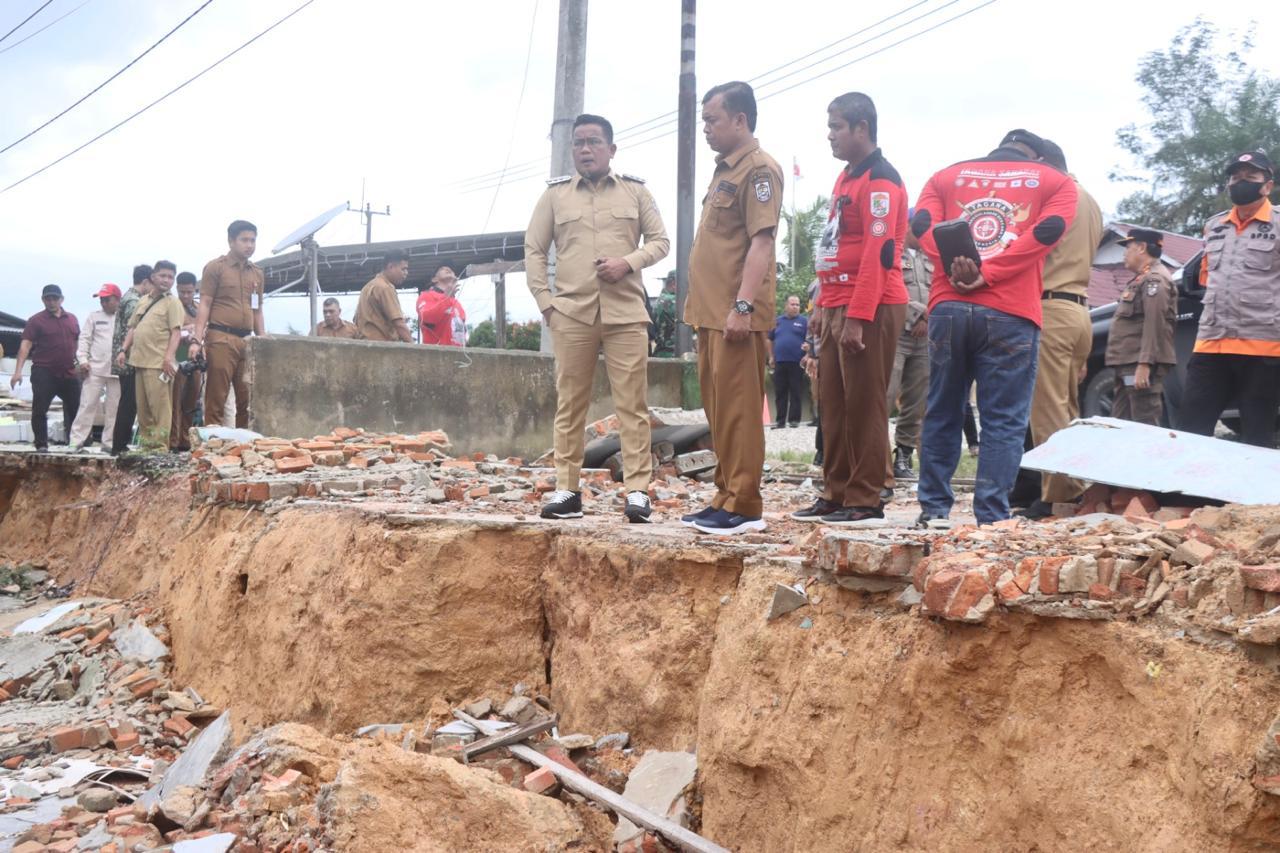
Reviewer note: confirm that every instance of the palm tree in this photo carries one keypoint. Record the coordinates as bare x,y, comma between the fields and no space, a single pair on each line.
807,225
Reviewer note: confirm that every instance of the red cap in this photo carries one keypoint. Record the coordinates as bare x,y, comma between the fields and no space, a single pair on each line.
108,290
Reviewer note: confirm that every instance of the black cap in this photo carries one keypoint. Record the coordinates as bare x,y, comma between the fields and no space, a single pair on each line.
51,290
669,276
1143,235
1052,154
1025,137
1256,159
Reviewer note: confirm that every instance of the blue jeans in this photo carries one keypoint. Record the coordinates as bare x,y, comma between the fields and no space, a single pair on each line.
968,343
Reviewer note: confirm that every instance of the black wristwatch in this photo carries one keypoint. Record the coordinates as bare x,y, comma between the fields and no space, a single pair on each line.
742,306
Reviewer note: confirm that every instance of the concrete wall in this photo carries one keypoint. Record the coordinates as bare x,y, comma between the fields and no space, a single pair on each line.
495,401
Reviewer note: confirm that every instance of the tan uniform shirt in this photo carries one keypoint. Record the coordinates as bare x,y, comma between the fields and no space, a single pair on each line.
152,323
917,272
346,330
1142,329
1067,268
234,290
745,198
585,222
378,310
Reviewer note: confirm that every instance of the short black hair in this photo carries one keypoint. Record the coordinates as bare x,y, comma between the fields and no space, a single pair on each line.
1024,137
141,273
165,265
393,257
1154,250
589,118
186,278
1053,155
854,107
738,97
332,301
240,225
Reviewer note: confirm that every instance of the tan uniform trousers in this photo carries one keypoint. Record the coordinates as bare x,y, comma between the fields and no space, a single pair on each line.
1142,405
228,366
1065,341
731,379
909,388
577,348
155,409
855,411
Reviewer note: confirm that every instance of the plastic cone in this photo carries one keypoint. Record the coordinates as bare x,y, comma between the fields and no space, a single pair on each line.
767,420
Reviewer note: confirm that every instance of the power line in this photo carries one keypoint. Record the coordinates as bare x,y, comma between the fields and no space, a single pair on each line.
668,118
799,83
24,20
104,83
72,11
515,119
157,101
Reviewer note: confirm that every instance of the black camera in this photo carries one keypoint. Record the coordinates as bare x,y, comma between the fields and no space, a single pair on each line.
190,367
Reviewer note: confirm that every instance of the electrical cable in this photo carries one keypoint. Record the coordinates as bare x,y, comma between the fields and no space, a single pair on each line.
515,119
104,83
72,11
157,101
24,20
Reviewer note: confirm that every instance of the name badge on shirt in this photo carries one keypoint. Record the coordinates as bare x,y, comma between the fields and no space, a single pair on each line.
255,301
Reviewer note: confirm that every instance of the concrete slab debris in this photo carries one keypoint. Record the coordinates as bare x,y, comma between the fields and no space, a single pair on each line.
658,784
1123,453
786,599
136,642
191,768
36,624
219,843
23,656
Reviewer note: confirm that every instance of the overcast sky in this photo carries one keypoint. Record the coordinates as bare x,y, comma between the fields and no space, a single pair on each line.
412,97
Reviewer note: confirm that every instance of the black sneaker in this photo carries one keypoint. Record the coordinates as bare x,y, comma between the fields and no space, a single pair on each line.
724,523
820,507
637,508
779,426
563,504
694,517
817,459
933,522
902,469
42,448
886,495
1038,510
855,516
794,425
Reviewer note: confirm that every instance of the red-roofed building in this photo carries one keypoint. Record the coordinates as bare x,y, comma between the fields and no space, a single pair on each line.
1109,275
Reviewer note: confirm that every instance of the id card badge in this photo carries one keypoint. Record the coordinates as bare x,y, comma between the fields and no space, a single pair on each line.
1130,381
255,301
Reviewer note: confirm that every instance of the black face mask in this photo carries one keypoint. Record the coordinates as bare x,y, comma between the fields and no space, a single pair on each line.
1245,192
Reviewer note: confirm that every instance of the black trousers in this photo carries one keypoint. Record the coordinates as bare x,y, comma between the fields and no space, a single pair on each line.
44,387
126,413
788,384
1214,380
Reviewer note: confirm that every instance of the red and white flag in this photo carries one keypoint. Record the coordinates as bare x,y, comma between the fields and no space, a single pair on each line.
795,167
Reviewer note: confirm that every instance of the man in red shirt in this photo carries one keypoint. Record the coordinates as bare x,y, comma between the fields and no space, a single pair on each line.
984,320
861,309
441,317
50,339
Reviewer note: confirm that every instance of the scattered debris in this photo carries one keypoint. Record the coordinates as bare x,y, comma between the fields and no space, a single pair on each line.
786,599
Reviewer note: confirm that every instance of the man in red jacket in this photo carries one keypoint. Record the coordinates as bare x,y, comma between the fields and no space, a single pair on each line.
984,320
861,309
441,317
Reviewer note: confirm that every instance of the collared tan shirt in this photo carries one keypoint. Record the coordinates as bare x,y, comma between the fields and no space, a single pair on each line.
1067,267
1143,325
917,272
154,320
233,289
378,310
745,198
346,330
586,222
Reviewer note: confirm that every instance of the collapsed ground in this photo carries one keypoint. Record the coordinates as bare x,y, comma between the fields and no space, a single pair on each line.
1116,689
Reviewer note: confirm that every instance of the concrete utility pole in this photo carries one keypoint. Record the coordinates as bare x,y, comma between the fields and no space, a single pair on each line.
686,148
571,81
368,213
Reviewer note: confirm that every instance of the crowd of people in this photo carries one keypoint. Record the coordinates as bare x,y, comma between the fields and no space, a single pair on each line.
982,283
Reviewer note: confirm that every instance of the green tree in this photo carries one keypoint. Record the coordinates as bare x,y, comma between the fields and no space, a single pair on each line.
807,225
523,336
1206,104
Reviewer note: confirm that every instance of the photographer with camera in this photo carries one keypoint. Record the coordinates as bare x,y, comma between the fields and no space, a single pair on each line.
188,382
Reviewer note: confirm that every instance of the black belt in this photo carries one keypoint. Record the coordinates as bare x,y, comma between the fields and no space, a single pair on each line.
230,330
1070,297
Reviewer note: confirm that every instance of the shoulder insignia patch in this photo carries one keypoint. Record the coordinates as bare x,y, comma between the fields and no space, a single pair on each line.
764,187
1153,286
627,177
551,182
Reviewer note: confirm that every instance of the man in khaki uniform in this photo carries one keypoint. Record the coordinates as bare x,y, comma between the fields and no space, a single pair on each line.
909,383
732,284
1140,344
596,219
333,326
378,313
150,347
1066,337
231,291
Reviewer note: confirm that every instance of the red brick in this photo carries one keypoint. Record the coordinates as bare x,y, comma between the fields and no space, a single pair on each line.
285,452
308,490
544,486
1262,578
1106,570
125,741
256,493
465,464
539,781
417,456
409,445
559,756
236,451
939,588
346,432
65,738
1132,585
96,640
317,445
479,492
145,687
360,462
1100,592
455,493
178,725
293,464
1181,595
1049,567
1135,509
975,585
239,491
15,762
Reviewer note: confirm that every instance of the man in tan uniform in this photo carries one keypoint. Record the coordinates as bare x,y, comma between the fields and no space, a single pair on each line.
1140,345
1065,338
231,291
151,346
596,219
333,326
732,283
378,313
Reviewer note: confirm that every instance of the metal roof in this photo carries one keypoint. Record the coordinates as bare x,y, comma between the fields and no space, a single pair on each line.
346,269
